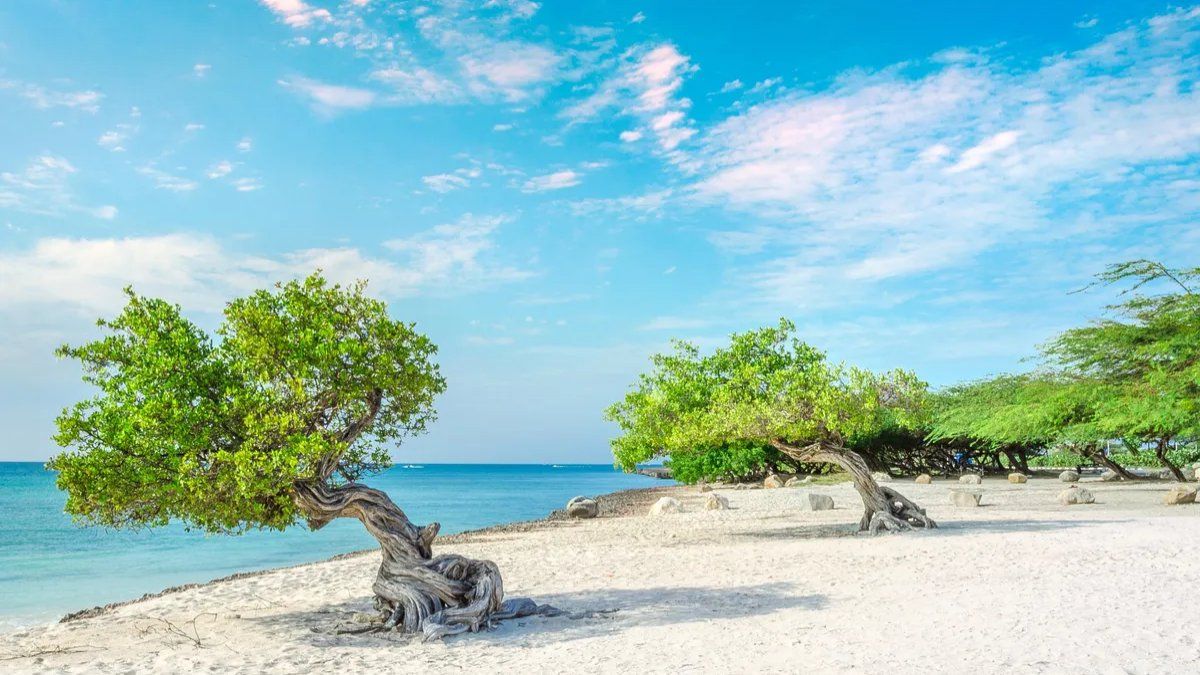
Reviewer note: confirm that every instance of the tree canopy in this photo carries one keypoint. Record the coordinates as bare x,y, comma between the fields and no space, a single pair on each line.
306,382
1133,376
769,387
766,385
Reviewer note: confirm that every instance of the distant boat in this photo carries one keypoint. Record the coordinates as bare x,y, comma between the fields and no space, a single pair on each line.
556,466
413,466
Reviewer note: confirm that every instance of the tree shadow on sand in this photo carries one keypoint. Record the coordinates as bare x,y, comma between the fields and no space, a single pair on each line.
586,614
945,528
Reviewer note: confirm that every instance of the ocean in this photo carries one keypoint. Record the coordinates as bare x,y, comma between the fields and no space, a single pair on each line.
50,566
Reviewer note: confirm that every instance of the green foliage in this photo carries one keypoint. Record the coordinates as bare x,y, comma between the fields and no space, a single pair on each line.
765,385
1145,360
725,463
1180,456
305,382
1133,376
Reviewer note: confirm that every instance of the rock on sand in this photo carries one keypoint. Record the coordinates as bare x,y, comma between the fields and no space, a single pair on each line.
666,505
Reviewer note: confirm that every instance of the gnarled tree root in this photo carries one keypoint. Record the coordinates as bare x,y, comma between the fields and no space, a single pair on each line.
416,592
904,515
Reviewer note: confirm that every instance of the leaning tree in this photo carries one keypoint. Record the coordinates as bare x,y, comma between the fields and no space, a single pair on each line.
269,423
769,387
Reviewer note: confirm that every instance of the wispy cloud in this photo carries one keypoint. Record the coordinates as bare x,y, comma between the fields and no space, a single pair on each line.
552,181
42,187
165,180
922,167
330,98
297,13
84,276
87,100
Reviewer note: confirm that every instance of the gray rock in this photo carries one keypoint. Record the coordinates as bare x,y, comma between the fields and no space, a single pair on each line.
970,479
1180,494
793,482
881,477
1069,476
705,487
716,502
1018,478
924,479
1076,495
772,481
969,498
1109,476
666,505
815,502
582,507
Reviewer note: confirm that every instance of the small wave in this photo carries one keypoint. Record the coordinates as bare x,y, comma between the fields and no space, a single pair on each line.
413,466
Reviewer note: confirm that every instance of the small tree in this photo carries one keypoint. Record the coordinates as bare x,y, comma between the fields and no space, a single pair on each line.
769,387
274,422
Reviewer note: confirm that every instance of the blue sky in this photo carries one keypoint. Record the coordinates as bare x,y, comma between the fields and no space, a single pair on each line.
553,190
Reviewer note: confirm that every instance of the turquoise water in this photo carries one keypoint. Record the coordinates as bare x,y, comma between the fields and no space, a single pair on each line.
50,566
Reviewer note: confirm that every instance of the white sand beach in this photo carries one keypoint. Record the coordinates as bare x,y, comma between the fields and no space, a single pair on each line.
1020,584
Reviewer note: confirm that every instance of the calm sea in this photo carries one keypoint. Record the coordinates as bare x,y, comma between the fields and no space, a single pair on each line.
50,566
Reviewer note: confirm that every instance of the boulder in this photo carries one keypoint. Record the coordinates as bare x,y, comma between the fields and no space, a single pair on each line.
705,487
582,507
881,477
716,502
793,482
1069,476
1109,476
924,479
1180,494
970,479
666,505
772,481
1076,495
814,502
1018,478
1189,473
968,498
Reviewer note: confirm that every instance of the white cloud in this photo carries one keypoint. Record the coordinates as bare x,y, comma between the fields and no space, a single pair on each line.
193,127
552,181
502,127
646,86
638,18
732,85
297,13
201,69
765,85
245,145
417,85
87,100
247,184
631,136
331,98
112,140
444,182
43,188
976,155
85,277
220,169
916,169
164,180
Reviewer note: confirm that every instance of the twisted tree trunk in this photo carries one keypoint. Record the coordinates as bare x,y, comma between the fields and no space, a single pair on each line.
1097,454
1160,453
883,507
414,590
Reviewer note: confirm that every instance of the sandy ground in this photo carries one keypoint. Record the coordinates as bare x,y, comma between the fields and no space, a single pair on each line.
1020,584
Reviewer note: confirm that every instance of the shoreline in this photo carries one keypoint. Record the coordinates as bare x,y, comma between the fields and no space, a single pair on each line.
618,504
767,585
